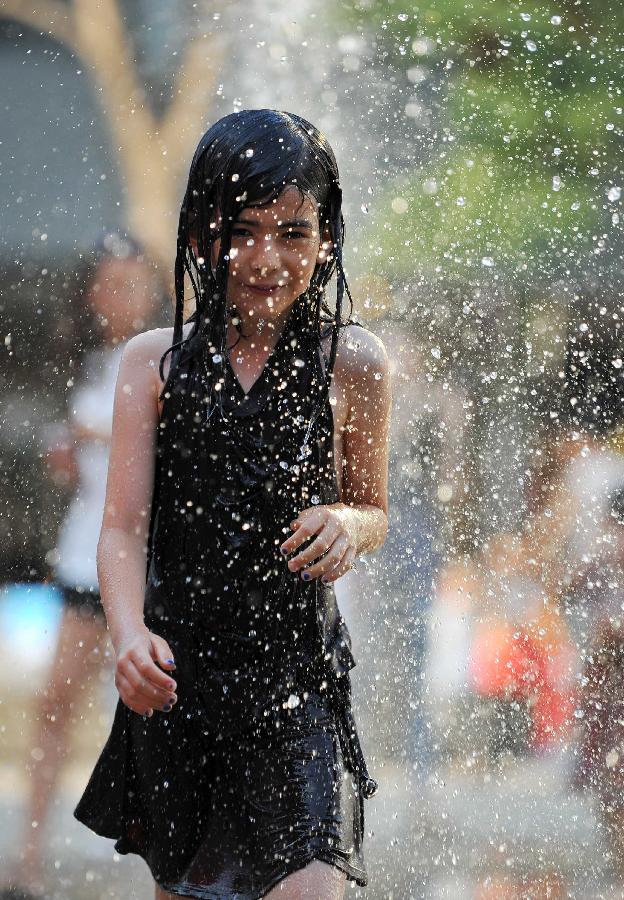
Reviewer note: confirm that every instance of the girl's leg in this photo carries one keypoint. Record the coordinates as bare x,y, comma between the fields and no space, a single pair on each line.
74,674
316,881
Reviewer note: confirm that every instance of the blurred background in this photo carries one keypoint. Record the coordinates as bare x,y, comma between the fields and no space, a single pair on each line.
480,153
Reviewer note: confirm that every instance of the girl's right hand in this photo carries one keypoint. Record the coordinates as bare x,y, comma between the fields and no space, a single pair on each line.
142,685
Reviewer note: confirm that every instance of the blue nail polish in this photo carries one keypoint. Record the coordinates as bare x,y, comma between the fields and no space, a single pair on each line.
170,661
306,576
166,708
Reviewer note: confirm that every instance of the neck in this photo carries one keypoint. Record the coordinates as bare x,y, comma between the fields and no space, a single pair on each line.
252,325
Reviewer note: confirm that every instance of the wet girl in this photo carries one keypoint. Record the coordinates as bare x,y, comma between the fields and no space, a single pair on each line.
249,457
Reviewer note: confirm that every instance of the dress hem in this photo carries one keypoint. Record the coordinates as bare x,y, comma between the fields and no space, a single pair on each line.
295,864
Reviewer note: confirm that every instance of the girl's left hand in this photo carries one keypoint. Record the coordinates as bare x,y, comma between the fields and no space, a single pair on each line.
335,546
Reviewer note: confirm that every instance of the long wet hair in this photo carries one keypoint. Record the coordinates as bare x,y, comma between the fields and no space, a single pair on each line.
247,159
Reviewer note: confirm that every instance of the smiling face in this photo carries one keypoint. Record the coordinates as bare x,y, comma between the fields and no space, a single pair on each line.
274,252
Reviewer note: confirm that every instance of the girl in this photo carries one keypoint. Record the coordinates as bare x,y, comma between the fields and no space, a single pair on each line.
234,766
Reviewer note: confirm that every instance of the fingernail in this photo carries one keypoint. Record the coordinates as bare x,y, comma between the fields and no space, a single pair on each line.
172,700
171,686
284,551
166,708
324,579
306,576
171,662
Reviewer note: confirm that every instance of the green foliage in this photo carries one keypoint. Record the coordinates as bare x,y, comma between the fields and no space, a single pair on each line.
530,138
466,211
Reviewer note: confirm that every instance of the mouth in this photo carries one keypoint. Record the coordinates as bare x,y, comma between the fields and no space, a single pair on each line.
264,289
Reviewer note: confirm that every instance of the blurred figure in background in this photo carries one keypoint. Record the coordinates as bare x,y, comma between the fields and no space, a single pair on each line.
425,482
599,766
119,298
586,566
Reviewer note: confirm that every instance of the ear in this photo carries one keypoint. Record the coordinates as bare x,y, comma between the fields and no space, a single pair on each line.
326,247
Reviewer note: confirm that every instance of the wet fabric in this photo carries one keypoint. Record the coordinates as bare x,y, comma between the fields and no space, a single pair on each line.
250,638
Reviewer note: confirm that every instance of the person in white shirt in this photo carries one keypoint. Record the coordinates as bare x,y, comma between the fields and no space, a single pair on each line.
120,294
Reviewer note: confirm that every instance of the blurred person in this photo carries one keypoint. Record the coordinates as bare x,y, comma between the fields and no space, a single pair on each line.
506,678
260,446
118,302
599,761
586,559
427,443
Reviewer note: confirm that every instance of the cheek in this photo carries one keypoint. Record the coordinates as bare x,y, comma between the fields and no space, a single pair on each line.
304,260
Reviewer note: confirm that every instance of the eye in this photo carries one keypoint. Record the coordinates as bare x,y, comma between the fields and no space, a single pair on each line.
239,231
295,234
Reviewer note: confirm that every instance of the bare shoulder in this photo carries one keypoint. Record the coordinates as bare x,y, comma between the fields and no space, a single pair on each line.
146,349
361,355
148,346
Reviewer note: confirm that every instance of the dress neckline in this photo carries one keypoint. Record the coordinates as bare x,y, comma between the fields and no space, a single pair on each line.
271,358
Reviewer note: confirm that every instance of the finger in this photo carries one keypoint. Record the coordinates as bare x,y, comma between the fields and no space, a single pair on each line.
317,548
331,559
341,569
162,653
126,692
150,671
307,526
146,690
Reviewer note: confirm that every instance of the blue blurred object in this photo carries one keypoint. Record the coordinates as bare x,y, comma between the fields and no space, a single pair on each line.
30,616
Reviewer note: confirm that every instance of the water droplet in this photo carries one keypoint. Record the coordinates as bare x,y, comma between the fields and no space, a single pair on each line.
555,20
487,261
315,499
614,193
531,46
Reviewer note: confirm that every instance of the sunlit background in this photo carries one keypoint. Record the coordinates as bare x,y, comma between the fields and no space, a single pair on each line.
480,148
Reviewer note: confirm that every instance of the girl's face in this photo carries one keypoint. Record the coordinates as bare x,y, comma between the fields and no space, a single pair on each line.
275,249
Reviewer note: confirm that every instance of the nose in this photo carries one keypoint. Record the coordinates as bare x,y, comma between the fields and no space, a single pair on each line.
265,256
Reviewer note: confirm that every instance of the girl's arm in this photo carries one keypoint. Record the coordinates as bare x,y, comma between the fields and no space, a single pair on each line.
121,556
358,524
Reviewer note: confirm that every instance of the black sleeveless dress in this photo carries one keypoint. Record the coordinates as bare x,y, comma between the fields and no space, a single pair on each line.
257,769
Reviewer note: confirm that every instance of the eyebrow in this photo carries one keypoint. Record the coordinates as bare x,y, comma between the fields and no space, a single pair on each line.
293,223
